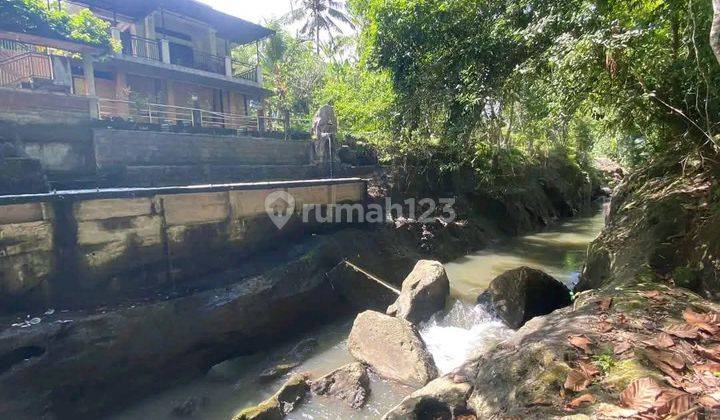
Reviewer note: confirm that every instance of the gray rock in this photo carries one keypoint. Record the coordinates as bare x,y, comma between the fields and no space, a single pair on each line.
423,292
440,399
521,294
392,347
284,401
349,383
277,371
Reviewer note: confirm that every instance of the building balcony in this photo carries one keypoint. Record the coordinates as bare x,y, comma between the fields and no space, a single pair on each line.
160,51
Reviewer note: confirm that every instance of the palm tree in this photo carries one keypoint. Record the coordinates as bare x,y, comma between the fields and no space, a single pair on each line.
318,16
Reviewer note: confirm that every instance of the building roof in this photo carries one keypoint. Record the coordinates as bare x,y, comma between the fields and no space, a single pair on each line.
229,27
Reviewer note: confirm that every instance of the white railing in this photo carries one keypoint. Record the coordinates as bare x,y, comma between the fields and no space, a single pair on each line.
152,113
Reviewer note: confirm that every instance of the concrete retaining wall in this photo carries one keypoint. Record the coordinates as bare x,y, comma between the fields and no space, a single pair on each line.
132,148
26,106
71,248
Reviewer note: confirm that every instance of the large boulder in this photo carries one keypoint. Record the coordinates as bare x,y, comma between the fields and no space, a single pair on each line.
423,292
284,401
349,383
443,398
392,347
521,294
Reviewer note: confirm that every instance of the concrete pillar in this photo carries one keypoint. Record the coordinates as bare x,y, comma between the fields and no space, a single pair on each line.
258,69
149,26
228,66
115,34
165,50
170,94
170,99
212,42
122,109
94,108
89,71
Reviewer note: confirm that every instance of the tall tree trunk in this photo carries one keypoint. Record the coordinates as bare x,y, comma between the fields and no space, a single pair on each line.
317,38
715,30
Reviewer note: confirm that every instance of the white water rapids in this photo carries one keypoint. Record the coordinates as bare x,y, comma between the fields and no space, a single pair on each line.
463,331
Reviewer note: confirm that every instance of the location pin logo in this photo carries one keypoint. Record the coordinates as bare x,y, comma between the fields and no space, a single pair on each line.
280,206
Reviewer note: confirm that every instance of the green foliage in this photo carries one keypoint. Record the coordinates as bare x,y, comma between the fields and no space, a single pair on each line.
292,71
317,16
34,16
604,362
631,79
362,101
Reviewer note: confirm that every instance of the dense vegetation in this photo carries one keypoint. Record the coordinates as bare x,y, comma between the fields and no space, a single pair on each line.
37,17
630,79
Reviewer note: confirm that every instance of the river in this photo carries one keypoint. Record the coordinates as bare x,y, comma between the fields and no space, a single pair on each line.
451,337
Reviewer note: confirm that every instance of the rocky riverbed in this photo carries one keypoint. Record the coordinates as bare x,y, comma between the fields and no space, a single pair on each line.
87,363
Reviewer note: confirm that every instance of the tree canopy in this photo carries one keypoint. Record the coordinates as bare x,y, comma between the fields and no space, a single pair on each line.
36,17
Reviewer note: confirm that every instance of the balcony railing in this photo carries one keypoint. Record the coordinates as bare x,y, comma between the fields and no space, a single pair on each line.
151,49
244,71
208,62
143,48
153,113
25,67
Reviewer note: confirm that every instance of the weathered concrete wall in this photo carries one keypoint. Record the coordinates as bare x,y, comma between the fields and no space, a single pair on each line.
25,106
132,148
87,246
77,156
64,150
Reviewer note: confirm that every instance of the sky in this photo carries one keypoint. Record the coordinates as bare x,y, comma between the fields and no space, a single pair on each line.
257,11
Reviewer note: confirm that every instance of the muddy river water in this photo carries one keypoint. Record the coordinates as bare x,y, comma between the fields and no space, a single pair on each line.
451,337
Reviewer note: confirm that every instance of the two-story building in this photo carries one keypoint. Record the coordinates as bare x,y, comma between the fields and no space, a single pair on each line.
175,65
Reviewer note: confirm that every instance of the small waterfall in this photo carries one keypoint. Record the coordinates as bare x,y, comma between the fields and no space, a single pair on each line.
454,336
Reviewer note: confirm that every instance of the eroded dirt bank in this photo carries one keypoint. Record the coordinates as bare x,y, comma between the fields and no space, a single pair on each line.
642,337
81,364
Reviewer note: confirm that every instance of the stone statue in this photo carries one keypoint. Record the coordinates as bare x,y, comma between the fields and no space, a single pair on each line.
324,132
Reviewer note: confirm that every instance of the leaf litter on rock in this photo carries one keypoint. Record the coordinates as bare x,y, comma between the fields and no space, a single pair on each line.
640,395
583,399
577,380
661,341
581,342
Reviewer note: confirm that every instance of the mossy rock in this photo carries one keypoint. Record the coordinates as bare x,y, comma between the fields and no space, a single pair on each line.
284,401
623,372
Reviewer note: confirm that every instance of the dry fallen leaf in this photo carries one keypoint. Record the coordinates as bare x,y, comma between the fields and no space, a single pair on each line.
581,342
711,367
667,357
640,395
576,380
682,330
673,402
709,352
709,400
693,317
622,347
577,402
652,294
588,368
604,304
667,362
661,341
605,326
